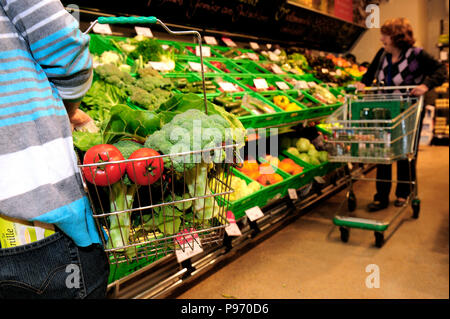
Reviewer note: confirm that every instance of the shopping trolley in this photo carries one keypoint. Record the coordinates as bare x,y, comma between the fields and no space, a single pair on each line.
375,126
166,215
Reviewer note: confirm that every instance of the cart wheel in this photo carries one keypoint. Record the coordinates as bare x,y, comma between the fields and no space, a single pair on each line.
379,239
416,208
351,201
345,234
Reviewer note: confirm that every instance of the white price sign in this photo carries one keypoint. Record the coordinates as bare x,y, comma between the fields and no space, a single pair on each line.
195,66
162,66
261,84
229,42
282,85
232,229
144,31
252,56
102,28
254,213
210,40
276,69
292,194
254,45
206,51
188,245
227,86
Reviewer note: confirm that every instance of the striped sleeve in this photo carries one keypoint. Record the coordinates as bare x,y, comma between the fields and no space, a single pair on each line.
55,42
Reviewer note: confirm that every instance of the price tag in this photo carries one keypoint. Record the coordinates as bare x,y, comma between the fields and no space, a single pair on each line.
254,45
195,66
276,69
443,55
229,42
282,85
102,28
312,84
277,52
252,56
268,45
232,229
144,31
162,66
292,193
165,47
227,86
254,213
210,40
206,51
301,84
324,71
261,84
188,245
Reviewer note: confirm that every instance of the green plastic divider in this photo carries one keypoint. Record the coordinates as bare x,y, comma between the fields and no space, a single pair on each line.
227,66
252,67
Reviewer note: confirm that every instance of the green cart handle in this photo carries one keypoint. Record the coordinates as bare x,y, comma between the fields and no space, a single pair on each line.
127,20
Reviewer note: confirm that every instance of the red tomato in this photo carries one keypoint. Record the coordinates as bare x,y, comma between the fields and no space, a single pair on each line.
104,174
147,171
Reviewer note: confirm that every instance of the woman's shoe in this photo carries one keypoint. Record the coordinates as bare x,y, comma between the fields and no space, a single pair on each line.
399,202
376,206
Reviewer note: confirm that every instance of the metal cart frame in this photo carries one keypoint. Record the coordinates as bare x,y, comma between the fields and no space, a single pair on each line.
376,141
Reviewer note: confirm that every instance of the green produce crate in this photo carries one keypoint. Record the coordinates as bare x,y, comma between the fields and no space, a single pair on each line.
189,49
296,181
262,120
118,271
271,80
252,67
228,66
318,109
236,53
317,170
291,116
239,206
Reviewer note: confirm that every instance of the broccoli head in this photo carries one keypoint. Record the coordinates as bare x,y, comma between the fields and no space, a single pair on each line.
113,75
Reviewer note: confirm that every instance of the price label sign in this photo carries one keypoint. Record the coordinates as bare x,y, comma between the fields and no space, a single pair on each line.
162,66
206,51
276,69
252,56
292,193
227,86
144,31
232,229
261,84
301,84
229,42
254,213
282,85
210,40
188,245
254,45
102,28
195,66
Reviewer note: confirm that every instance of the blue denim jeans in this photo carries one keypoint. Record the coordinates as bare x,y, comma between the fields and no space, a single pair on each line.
53,268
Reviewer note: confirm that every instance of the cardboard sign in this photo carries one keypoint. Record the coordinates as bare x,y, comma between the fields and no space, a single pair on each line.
102,28
254,45
261,84
292,194
229,42
210,40
228,87
206,51
232,229
254,213
188,245
144,31
282,85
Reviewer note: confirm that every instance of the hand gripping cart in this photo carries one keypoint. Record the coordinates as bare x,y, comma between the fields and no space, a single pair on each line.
376,126
155,221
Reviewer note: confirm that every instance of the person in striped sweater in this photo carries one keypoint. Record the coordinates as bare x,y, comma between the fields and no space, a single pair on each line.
45,70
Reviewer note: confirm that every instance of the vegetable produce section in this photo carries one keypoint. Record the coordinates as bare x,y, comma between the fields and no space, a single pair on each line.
145,96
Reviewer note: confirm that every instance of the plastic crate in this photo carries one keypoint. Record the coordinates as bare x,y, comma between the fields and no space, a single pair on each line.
262,120
273,82
237,53
229,66
298,180
251,67
291,116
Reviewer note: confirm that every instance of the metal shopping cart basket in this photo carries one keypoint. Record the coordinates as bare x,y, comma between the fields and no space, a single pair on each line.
147,221
375,126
